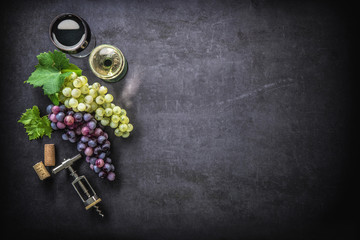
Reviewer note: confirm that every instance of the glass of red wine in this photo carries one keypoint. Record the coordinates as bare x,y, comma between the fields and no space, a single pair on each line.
71,34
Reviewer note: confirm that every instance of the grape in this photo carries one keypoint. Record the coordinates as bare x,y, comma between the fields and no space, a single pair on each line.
78,130
61,97
53,126
125,134
65,137
71,134
105,121
102,174
96,86
108,160
98,118
87,107
91,125
100,111
111,176
93,160
66,92
108,98
124,119
84,139
66,103
85,130
87,117
72,76
99,100
117,132
99,163
60,125
101,139
70,113
78,117
89,151
107,167
93,93
102,155
87,159
115,118
105,146
75,93
72,140
116,110
69,120
81,107
122,112
96,169
130,127
88,99
60,116
123,127
73,102
98,132
113,125
105,135
77,83
103,90
52,118
92,143
106,105
108,112
83,80
62,108
84,89
93,106
55,109
97,150
81,147
49,108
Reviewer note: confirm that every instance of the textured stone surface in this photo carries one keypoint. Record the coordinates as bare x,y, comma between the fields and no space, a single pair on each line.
241,111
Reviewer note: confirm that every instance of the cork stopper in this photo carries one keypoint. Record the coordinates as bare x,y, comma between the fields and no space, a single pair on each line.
41,171
49,155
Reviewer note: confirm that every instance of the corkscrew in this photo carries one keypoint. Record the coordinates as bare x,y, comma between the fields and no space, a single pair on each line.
91,198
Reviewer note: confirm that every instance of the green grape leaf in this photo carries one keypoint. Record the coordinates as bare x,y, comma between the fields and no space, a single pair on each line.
72,68
51,72
35,125
60,60
54,98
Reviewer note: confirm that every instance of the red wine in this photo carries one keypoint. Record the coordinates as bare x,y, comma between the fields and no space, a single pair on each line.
71,34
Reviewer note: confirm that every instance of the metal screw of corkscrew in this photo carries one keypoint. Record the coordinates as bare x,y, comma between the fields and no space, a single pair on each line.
91,198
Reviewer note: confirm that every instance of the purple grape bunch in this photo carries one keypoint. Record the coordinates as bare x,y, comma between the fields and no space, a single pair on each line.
83,129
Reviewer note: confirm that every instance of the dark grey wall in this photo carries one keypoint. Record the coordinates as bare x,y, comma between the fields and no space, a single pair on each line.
242,113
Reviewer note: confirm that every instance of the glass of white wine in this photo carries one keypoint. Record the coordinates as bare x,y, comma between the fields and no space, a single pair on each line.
108,63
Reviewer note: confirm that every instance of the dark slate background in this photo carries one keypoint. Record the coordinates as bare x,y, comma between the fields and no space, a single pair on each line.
243,115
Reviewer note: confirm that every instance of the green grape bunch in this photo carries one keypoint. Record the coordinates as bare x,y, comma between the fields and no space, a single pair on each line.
78,94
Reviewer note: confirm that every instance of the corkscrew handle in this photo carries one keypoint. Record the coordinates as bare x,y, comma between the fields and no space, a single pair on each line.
66,163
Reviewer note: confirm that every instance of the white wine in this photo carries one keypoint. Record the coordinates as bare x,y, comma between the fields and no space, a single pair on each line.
108,63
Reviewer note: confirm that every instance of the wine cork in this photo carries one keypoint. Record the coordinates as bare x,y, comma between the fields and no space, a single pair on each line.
41,171
49,155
